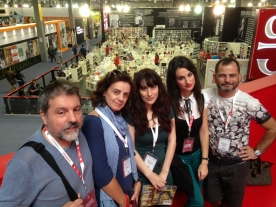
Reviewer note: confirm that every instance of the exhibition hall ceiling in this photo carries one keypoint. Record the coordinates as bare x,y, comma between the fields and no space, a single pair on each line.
139,3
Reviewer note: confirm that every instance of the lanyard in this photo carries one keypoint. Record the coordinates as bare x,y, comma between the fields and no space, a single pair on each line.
67,158
154,134
189,119
189,123
124,140
227,121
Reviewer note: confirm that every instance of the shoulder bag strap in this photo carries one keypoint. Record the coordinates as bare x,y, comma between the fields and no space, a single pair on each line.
40,149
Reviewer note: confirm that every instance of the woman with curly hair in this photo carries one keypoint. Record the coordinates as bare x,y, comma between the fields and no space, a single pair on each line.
151,124
191,123
110,143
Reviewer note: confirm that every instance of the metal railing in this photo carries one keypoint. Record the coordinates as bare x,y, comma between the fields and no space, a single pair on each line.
20,102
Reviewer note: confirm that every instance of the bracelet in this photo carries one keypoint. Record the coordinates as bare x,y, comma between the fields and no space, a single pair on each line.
205,158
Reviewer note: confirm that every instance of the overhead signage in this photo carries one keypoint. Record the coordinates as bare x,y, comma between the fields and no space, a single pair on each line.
263,61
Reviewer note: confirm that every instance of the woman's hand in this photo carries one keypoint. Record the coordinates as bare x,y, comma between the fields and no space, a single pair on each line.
163,175
157,181
203,170
136,191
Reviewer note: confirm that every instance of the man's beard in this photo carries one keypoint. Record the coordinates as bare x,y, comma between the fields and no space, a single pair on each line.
67,136
221,87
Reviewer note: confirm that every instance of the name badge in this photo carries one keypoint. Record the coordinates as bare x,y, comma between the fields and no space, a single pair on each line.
150,160
224,144
188,145
90,200
126,166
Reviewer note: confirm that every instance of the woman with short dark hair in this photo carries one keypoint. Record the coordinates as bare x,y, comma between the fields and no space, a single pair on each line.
108,137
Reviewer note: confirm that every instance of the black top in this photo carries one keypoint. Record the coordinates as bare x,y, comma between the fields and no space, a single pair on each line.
182,130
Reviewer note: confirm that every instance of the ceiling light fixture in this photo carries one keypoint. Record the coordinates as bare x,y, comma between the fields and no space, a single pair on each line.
107,9
187,7
122,8
84,11
219,10
198,9
126,8
119,7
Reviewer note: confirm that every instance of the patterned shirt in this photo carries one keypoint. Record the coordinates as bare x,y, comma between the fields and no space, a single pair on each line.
244,110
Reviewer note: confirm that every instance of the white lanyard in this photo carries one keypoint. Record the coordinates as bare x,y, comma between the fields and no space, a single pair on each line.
124,140
67,158
155,134
230,112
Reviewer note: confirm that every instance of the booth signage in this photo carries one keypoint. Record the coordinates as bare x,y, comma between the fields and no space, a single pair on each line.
263,61
79,30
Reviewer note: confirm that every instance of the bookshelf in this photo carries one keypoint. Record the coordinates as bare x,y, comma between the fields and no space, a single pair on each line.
172,35
76,73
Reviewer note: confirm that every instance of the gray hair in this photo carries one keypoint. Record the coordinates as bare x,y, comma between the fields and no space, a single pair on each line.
54,89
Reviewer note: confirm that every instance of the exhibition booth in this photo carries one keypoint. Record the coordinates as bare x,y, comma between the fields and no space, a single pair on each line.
155,33
137,37
19,44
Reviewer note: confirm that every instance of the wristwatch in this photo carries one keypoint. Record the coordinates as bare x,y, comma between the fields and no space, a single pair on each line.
257,153
138,180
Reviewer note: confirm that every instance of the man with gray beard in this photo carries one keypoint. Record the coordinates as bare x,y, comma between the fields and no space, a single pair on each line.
229,118
29,180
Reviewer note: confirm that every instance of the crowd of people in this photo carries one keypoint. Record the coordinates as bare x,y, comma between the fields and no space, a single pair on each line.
203,56
17,77
140,133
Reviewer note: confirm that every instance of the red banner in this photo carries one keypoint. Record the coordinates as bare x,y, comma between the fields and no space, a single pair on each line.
263,59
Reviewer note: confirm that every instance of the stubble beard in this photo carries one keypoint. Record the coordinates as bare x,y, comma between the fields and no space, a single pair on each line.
67,136
222,88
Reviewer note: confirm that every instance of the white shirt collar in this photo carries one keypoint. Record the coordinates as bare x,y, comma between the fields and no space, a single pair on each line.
191,97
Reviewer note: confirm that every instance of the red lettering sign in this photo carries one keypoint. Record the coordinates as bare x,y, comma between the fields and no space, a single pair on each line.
263,61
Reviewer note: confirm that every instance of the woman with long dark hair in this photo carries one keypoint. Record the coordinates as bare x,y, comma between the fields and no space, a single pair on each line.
191,123
151,123
109,139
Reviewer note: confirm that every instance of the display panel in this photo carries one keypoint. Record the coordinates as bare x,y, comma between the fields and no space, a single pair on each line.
263,59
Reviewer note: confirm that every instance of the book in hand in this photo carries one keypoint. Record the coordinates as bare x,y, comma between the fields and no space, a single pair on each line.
150,196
